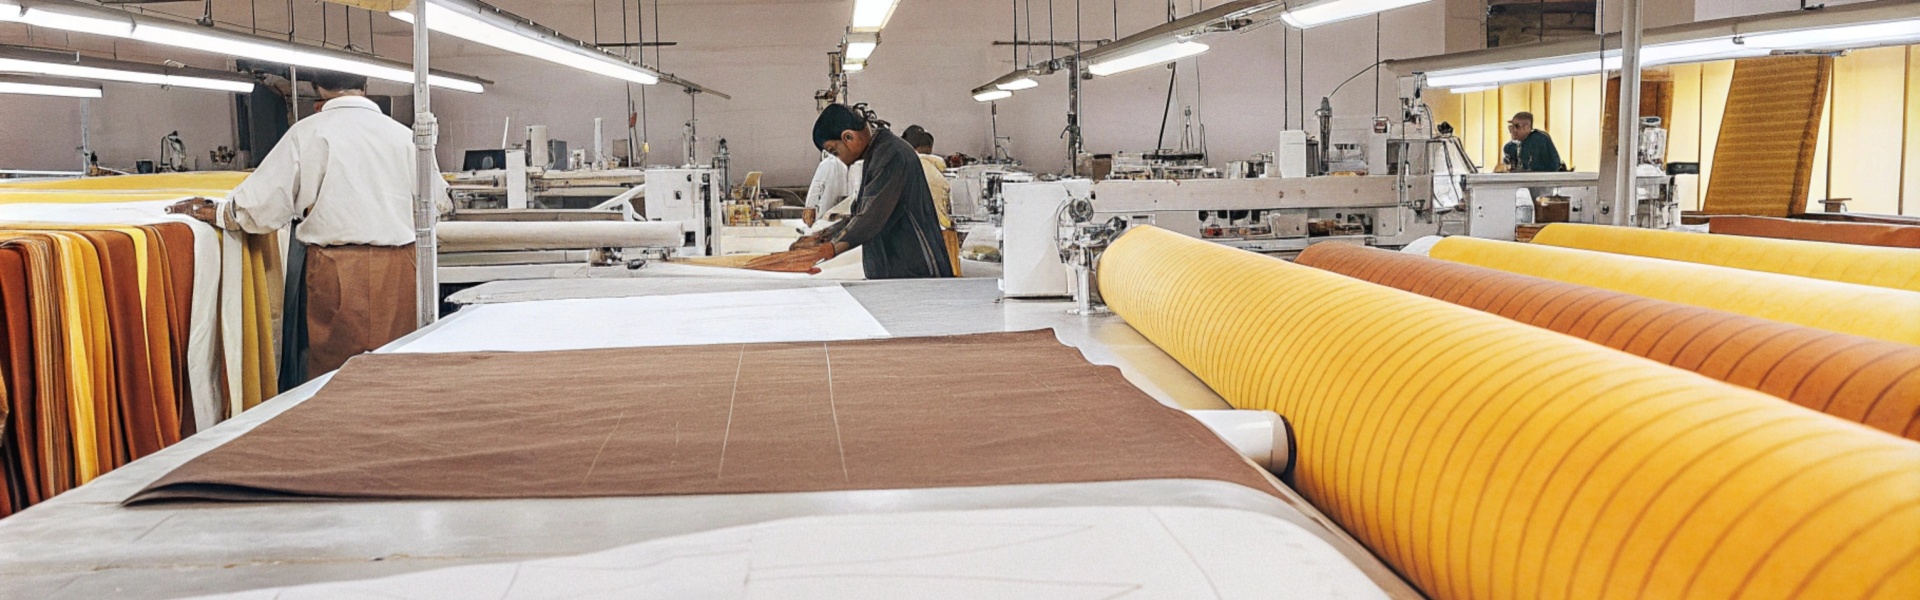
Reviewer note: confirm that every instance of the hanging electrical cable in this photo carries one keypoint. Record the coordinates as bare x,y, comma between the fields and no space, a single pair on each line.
1053,45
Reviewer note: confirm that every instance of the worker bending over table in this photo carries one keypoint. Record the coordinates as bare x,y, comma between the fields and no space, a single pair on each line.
344,179
893,217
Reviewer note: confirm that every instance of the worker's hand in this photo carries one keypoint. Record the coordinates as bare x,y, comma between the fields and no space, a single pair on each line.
198,208
793,261
806,242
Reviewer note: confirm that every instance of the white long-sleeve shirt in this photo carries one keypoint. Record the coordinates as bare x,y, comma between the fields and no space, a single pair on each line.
829,185
349,169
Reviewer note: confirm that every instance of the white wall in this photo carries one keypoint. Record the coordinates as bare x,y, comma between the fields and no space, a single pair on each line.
770,54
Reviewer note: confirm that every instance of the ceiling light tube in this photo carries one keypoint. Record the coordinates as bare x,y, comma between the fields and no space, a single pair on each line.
86,18
1474,89
1021,83
1170,51
872,15
16,85
853,66
992,95
487,25
1587,64
1315,14
1838,38
9,11
860,44
76,71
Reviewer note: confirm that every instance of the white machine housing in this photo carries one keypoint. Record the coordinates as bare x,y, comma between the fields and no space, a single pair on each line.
687,196
1030,254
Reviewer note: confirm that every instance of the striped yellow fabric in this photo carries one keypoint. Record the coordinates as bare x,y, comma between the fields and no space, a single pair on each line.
1483,458
1764,161
1879,313
1897,268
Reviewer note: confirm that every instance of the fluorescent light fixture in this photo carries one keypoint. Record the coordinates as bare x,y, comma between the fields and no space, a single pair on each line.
860,50
992,95
1023,83
1170,51
86,18
71,21
15,65
1842,37
10,86
1474,89
9,11
472,23
1315,14
872,15
1587,64
853,66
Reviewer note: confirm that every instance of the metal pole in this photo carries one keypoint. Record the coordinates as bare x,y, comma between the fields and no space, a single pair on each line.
86,141
1626,193
1076,142
425,214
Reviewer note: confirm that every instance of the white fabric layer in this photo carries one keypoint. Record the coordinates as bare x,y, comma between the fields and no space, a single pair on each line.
1039,553
202,365
791,315
482,236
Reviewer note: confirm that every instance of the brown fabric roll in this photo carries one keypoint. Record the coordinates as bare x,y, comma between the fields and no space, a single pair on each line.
358,299
1858,234
1859,379
720,419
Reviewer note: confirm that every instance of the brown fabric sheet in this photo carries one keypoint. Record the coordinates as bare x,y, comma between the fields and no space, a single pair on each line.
1868,381
358,299
1858,234
755,418
176,244
1764,159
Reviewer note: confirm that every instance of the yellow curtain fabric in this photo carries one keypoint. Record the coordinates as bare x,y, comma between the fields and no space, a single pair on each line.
1879,313
1897,268
1483,458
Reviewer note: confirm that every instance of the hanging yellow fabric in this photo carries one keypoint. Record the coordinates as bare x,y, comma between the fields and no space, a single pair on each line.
1897,268
1483,458
1879,313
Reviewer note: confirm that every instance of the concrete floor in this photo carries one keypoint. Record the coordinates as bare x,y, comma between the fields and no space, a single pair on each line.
83,544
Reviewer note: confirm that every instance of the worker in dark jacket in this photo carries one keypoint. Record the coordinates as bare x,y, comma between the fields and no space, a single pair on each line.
893,219
1532,150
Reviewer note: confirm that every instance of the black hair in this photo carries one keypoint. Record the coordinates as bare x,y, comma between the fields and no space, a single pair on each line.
917,137
335,80
839,118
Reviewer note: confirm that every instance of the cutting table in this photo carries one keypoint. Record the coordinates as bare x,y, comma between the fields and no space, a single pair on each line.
84,544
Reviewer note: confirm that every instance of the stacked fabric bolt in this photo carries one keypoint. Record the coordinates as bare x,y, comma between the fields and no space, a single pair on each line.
1854,378
1484,458
1862,310
122,329
1895,268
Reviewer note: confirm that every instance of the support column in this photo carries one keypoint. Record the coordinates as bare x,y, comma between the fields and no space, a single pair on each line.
1626,195
425,214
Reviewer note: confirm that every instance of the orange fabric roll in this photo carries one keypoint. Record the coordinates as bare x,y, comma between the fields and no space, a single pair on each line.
1859,234
1859,379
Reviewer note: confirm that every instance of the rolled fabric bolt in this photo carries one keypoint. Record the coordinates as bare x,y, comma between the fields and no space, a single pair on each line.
482,236
1866,311
1895,268
1484,458
1859,234
1260,435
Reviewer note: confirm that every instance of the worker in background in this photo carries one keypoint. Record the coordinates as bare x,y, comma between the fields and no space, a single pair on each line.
936,169
344,180
893,219
1532,150
829,186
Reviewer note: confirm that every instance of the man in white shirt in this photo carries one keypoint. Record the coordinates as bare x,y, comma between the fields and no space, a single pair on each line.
829,186
346,176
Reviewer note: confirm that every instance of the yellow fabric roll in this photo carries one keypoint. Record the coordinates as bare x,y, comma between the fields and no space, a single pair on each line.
1483,458
1897,268
1867,311
200,180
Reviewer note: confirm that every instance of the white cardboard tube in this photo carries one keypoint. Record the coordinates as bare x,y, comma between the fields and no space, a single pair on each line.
1261,436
